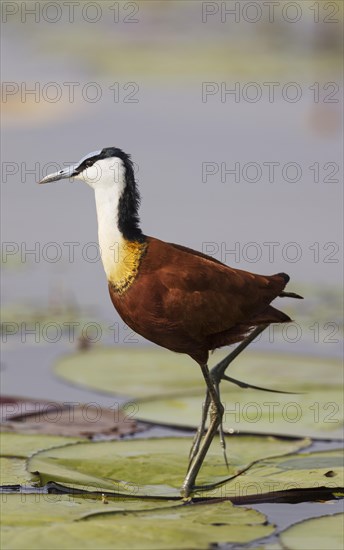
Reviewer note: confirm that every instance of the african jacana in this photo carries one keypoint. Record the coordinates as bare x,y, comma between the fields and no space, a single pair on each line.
176,297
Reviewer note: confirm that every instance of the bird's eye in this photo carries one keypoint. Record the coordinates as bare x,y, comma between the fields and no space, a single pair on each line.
89,163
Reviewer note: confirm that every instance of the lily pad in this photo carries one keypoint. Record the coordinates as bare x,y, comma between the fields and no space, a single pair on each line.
55,418
15,448
23,446
298,471
170,389
318,413
321,533
53,522
154,467
152,372
13,472
139,373
62,312
19,510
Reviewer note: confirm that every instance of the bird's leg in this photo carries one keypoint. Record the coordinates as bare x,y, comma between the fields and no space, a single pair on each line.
218,371
221,430
217,374
216,413
200,430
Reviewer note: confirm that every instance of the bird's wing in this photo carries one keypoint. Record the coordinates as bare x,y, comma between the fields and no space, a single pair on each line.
205,295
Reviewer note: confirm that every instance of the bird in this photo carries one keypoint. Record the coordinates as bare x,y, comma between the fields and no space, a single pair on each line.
174,296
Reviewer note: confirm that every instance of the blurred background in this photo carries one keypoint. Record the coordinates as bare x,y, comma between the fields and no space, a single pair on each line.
232,112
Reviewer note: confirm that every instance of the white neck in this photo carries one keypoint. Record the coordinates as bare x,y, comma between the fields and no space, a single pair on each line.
110,237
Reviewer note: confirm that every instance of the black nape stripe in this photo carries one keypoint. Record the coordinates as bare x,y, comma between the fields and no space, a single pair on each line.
129,202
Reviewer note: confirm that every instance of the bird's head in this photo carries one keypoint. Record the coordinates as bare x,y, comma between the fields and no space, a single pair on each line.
106,168
110,173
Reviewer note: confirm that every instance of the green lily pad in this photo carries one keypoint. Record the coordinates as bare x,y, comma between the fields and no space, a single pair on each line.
19,510
320,533
55,522
315,414
298,471
170,389
152,372
133,372
23,445
154,467
13,472
16,448
63,312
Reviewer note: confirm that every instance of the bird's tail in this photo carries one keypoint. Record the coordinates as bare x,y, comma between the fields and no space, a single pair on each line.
269,315
288,294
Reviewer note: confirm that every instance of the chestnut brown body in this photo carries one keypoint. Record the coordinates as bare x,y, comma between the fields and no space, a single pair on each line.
191,303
